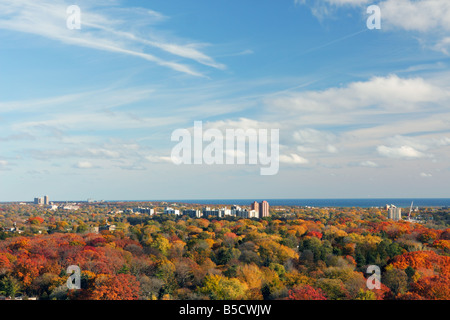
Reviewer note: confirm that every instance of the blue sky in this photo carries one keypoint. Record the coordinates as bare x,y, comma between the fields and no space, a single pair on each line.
89,113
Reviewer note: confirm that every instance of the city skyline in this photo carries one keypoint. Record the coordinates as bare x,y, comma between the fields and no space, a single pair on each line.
89,112
307,203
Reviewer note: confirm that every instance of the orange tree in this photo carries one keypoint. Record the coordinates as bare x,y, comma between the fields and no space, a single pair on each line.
120,287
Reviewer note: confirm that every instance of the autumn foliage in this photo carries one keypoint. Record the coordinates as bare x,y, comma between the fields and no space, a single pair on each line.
120,287
306,293
311,254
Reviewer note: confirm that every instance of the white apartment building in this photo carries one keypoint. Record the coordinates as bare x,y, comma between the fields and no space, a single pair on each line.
169,210
395,213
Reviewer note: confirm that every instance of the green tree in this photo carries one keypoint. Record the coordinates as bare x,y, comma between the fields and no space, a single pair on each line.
410,272
396,280
9,286
366,295
166,272
223,255
334,289
82,228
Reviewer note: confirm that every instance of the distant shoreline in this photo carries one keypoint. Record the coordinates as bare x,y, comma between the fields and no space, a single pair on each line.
344,203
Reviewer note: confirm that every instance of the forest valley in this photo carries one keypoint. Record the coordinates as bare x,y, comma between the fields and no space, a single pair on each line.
296,253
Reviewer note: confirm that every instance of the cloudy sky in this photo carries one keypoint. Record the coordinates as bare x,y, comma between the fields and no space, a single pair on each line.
89,113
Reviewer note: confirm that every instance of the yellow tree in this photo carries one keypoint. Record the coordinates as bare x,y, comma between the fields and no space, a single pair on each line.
218,287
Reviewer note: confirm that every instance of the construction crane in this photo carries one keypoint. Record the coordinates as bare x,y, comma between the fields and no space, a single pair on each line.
410,209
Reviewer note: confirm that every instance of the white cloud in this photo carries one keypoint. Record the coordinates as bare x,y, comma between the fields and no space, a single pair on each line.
414,147
388,94
293,159
311,140
443,45
84,165
88,121
4,165
369,164
312,136
426,175
398,117
241,123
347,2
404,152
158,159
70,147
418,15
104,153
442,142
326,8
430,18
107,98
410,15
331,149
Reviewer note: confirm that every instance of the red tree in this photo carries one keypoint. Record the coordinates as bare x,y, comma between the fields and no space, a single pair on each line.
306,293
314,234
433,288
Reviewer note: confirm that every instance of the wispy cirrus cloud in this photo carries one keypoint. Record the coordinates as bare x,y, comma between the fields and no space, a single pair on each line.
101,31
430,19
327,8
106,98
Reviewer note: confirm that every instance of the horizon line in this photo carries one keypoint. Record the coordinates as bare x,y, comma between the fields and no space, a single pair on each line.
226,199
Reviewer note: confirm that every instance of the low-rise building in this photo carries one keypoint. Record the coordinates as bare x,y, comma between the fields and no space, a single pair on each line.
139,210
107,227
13,229
193,213
169,210
70,207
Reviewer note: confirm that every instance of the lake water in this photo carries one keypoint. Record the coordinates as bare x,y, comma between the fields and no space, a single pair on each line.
363,203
